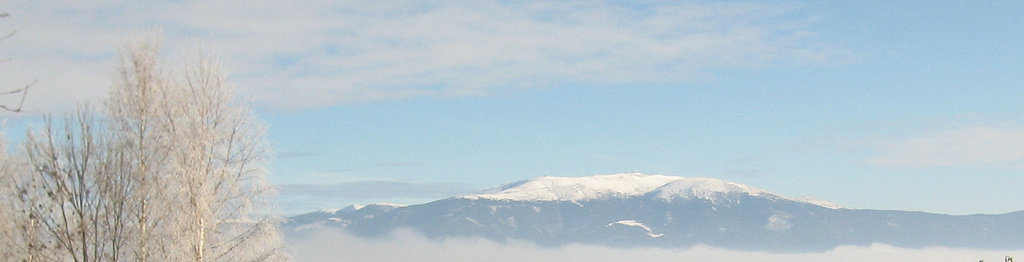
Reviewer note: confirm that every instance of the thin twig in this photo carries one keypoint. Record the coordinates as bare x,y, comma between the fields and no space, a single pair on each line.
8,35
24,93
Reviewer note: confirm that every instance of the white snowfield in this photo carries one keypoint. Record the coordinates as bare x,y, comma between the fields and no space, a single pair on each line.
622,185
384,204
634,223
704,188
549,188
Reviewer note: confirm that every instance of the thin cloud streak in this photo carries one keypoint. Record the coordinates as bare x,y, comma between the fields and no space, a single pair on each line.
302,198
326,53
296,154
376,189
971,147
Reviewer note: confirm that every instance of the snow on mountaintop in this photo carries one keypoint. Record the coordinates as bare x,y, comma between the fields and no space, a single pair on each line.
713,189
385,204
819,202
329,210
704,188
350,208
548,188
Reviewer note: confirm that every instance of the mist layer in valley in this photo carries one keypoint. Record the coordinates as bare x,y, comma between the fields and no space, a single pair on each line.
407,245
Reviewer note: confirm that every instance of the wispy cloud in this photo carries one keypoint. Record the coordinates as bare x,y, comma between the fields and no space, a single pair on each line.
376,189
299,198
343,171
324,53
409,246
980,146
296,154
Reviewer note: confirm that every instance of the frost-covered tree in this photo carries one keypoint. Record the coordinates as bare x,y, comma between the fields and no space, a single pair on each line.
174,171
135,110
202,155
218,165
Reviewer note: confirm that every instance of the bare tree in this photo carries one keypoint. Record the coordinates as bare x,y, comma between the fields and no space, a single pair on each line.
21,91
21,238
69,169
27,239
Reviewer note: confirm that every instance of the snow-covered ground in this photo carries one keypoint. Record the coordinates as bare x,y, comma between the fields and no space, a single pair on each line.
634,223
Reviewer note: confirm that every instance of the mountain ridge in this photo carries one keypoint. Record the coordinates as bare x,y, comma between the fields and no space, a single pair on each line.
680,212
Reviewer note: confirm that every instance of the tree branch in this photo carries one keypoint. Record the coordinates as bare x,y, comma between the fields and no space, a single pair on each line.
23,91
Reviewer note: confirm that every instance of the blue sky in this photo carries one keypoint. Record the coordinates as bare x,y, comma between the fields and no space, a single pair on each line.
869,105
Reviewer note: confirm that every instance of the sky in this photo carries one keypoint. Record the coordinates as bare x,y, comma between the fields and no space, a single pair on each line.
895,105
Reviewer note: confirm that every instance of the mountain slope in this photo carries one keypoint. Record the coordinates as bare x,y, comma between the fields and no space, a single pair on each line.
665,211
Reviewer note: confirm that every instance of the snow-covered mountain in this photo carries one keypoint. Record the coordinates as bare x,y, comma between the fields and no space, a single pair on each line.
549,188
625,185
633,209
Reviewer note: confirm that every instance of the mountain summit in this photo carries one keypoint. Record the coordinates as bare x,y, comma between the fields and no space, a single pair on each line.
625,185
549,188
632,209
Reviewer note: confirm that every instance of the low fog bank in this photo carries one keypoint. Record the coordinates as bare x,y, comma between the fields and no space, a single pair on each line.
406,245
